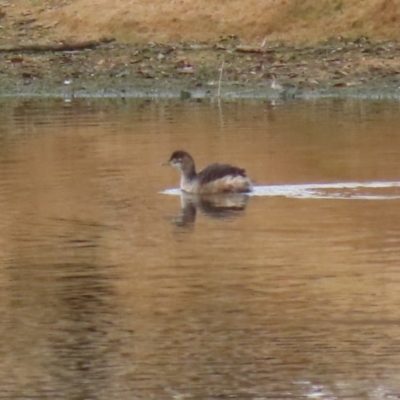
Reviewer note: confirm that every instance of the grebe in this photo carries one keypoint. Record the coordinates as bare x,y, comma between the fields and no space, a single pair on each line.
216,178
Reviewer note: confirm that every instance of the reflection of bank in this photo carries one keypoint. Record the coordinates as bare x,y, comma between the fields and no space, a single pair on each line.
59,315
216,206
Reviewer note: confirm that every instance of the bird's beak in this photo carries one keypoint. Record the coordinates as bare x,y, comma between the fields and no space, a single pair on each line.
165,163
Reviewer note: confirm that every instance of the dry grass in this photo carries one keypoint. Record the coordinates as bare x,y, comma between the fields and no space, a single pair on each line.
202,20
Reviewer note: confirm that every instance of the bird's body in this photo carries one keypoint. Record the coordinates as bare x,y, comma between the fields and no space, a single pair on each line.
216,178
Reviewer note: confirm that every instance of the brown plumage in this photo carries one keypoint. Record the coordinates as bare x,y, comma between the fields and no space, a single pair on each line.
216,178
217,171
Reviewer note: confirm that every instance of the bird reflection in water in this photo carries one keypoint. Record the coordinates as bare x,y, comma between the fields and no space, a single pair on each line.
225,206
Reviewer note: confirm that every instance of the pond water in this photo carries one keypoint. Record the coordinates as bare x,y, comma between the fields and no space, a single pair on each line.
115,287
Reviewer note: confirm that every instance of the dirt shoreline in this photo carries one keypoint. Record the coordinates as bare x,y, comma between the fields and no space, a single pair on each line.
48,48
335,68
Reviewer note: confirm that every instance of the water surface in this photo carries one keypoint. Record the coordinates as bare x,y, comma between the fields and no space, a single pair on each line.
111,289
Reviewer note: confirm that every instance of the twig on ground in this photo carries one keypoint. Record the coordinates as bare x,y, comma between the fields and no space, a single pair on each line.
263,42
91,44
221,70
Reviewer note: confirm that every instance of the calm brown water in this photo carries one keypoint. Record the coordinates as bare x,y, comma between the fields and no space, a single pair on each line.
110,291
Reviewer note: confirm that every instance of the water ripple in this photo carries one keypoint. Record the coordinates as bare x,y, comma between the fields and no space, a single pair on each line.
339,190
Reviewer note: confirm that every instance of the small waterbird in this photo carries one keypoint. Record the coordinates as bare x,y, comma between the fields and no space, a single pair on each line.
216,178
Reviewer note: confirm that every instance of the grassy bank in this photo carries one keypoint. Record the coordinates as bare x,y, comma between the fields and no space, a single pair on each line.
317,46
202,20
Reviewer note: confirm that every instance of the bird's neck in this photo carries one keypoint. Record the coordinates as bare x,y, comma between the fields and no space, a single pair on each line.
189,172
